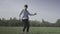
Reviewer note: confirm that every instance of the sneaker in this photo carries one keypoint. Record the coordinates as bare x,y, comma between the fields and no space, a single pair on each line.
27,32
23,33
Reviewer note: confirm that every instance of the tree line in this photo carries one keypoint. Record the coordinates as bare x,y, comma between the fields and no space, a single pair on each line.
16,22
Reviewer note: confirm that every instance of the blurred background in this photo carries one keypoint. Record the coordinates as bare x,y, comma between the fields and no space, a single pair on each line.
48,12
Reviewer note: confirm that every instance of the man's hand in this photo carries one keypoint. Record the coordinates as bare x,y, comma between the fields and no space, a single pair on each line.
20,19
34,13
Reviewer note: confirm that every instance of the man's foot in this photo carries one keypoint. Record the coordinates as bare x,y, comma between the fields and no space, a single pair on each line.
22,32
27,32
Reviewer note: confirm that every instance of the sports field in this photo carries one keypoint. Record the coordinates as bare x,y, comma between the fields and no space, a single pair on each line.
33,30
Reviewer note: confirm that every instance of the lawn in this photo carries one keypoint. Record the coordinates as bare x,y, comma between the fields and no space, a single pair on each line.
33,30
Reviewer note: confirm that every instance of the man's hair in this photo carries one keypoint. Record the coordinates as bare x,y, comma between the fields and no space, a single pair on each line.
26,5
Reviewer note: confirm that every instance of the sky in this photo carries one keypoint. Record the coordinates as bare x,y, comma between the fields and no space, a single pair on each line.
49,10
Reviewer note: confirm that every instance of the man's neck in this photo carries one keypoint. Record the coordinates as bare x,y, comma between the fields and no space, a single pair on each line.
25,9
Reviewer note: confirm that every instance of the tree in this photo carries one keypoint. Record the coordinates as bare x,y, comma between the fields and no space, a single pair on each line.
58,22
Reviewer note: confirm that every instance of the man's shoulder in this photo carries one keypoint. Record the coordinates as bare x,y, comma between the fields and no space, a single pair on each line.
22,9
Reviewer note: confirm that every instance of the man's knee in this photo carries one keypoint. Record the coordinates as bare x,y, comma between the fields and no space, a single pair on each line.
28,26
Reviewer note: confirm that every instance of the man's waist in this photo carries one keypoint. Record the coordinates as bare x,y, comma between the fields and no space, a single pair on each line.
25,18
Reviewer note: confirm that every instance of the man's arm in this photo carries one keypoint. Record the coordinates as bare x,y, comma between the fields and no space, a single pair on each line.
31,14
20,14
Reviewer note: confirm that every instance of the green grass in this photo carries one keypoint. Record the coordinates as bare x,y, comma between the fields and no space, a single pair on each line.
33,30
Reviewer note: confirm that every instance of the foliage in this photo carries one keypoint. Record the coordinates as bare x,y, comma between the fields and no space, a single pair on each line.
17,22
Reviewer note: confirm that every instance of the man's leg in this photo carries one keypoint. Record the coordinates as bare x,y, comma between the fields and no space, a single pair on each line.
28,28
24,28
27,31
24,24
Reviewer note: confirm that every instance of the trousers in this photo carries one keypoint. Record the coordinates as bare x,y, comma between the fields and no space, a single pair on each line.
26,25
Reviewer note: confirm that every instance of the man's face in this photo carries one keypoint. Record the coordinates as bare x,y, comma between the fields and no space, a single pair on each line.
26,7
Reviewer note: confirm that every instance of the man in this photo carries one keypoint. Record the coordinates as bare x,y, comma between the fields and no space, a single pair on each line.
25,18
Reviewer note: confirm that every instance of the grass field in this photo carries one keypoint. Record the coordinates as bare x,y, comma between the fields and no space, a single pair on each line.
33,30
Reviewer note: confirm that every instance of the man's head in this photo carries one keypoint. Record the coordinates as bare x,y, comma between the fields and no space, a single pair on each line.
26,6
